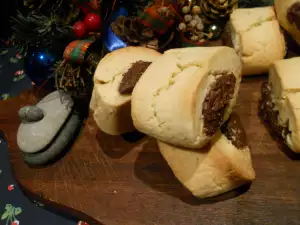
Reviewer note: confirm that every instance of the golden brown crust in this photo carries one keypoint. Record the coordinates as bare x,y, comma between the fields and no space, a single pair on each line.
212,170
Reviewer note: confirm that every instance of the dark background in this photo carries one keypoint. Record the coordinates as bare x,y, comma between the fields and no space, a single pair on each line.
7,9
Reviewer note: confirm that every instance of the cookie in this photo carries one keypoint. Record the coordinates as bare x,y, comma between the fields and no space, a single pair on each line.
187,94
114,80
217,168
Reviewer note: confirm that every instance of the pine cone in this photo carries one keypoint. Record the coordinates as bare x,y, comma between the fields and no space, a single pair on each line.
217,10
132,32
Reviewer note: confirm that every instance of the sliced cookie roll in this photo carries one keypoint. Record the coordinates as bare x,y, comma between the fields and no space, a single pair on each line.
114,80
280,101
187,94
257,38
217,168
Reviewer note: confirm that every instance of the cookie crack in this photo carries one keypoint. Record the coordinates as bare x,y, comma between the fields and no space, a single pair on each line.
258,23
171,82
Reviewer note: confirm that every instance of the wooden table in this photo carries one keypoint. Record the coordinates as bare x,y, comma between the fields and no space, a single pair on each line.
106,180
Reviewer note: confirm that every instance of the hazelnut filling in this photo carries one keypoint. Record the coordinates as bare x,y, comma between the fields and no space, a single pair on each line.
132,76
270,113
234,131
293,14
216,101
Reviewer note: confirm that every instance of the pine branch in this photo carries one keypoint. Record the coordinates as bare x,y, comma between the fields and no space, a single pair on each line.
37,29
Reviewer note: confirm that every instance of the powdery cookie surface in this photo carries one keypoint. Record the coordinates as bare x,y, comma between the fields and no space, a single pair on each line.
257,38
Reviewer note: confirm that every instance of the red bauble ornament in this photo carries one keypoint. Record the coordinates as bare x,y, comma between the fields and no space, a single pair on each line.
93,22
79,29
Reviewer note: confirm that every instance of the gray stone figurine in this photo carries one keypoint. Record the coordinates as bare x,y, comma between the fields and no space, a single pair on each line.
48,128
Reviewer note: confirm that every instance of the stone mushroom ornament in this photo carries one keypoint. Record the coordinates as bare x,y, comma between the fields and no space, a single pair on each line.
48,128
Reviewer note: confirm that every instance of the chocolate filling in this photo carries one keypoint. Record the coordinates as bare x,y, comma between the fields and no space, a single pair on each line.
270,113
132,76
216,101
234,131
293,14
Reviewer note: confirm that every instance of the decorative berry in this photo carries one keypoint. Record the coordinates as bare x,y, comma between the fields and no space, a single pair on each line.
79,29
200,26
196,17
193,23
196,10
182,27
188,18
186,9
93,22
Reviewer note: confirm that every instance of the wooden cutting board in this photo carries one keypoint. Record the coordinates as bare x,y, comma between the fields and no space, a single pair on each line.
106,180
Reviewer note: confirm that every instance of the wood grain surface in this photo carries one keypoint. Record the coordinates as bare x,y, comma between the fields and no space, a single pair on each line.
107,180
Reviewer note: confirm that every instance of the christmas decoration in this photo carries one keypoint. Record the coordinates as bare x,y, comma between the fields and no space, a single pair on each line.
38,65
79,29
133,33
50,29
159,16
192,26
214,30
65,39
92,22
76,51
111,41
124,30
193,29
37,31
217,10
74,73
